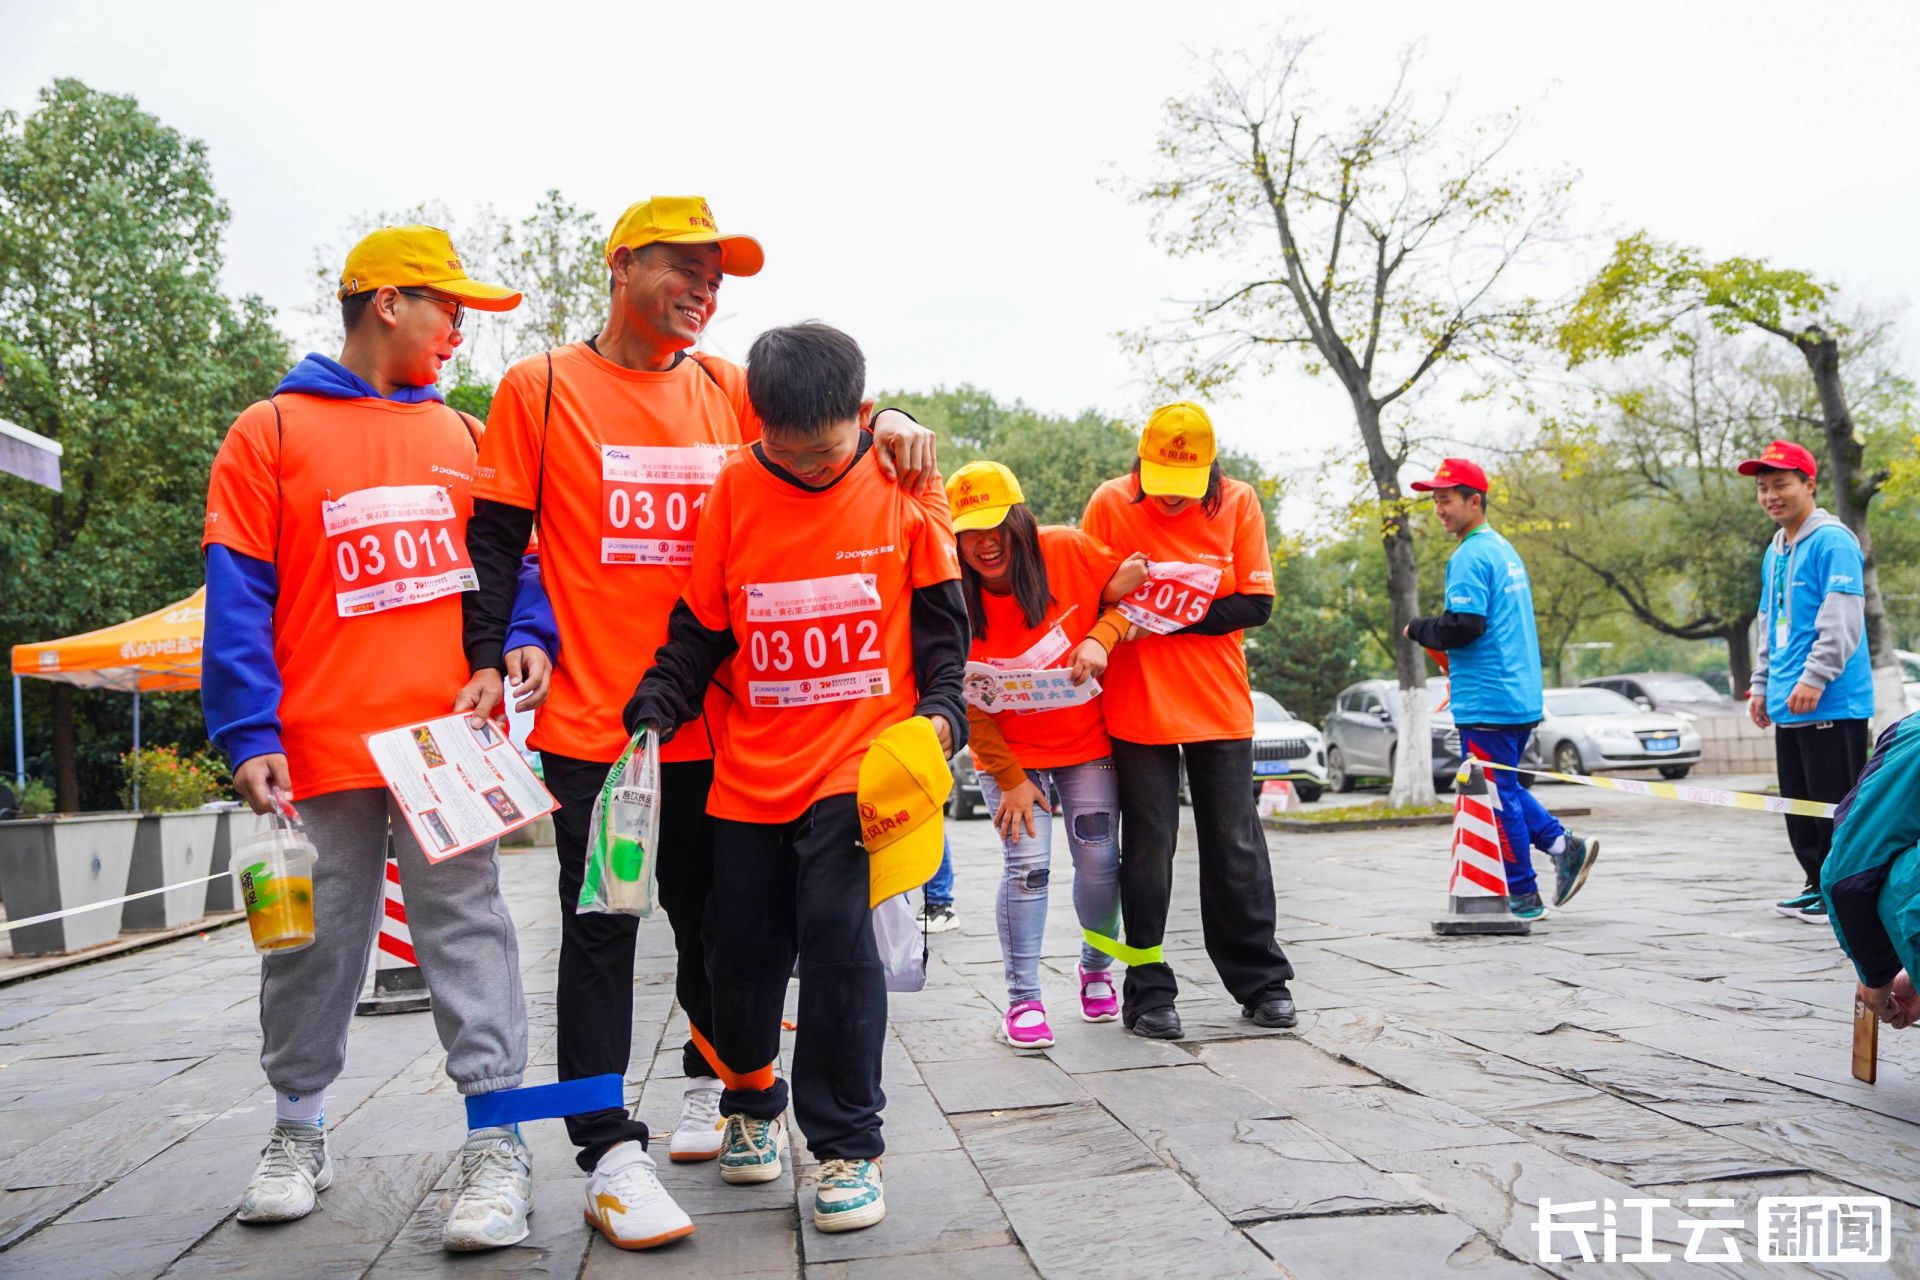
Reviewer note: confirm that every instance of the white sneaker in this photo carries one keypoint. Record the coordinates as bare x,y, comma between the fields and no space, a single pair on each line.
294,1168
698,1135
491,1192
627,1204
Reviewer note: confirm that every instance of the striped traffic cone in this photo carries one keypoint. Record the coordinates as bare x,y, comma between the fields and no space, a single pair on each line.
1477,889
398,984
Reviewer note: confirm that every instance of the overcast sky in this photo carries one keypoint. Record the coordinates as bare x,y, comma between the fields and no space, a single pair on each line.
930,177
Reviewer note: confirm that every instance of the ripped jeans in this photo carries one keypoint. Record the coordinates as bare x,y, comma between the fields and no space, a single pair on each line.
1090,805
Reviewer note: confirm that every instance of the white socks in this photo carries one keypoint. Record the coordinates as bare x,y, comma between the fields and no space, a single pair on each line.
1559,845
301,1108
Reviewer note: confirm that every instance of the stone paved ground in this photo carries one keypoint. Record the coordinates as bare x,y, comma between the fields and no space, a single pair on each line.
1668,1038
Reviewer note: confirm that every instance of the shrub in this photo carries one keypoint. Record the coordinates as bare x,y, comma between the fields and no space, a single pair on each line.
169,781
35,799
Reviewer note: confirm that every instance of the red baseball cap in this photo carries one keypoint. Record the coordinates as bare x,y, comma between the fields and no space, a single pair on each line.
1783,455
1454,473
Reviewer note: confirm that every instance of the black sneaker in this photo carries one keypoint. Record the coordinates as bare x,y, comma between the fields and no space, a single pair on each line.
1526,906
1156,1024
938,917
1814,912
1792,907
1571,866
1275,1010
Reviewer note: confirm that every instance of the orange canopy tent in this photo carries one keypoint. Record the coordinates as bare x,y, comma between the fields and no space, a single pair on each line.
155,653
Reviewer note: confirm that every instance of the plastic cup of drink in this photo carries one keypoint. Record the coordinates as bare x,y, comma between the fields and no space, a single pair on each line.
273,879
626,887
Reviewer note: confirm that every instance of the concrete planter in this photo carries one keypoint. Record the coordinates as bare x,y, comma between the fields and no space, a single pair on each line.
220,890
171,847
54,864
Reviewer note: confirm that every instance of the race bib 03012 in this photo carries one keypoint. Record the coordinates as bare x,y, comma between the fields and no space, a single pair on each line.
814,640
1176,594
393,546
650,500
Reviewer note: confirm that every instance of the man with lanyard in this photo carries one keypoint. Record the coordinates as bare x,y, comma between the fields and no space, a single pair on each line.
319,499
1488,632
611,445
1812,678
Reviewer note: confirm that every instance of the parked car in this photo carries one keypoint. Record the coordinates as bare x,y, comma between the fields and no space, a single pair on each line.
1593,730
966,786
1674,691
1287,748
1363,735
1910,677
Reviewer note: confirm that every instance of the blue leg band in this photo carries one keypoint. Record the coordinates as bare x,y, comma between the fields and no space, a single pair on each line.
545,1101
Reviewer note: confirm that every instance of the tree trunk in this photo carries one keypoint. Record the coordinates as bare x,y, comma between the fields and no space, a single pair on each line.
1413,757
66,774
1850,492
1739,657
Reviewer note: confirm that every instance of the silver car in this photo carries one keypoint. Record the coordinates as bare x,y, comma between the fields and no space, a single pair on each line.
1596,730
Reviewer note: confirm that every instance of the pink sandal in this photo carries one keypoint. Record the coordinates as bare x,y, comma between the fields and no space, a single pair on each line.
1099,998
1026,1026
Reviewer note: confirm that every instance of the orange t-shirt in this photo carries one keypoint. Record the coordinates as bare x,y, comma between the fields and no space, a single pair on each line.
1078,568
617,467
1160,688
361,506
817,589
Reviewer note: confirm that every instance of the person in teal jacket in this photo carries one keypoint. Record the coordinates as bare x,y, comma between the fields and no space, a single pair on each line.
1871,877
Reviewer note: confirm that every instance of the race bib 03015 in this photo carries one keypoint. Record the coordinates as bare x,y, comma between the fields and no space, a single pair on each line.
393,546
1176,594
650,500
814,640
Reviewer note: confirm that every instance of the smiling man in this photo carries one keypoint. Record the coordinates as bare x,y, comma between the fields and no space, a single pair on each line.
612,444
1812,679
1488,631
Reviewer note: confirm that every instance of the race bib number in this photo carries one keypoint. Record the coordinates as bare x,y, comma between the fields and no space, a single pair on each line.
394,546
650,500
814,640
1175,595
1046,651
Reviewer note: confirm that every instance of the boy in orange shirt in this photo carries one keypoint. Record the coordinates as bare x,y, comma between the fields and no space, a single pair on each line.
836,596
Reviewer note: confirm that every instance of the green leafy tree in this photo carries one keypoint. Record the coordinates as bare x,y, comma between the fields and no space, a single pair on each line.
116,340
1379,246
1643,298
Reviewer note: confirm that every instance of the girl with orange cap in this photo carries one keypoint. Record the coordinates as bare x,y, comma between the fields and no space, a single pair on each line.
1182,690
1035,600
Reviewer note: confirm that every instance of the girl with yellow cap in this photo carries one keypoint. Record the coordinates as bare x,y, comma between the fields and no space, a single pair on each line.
1035,599
1182,690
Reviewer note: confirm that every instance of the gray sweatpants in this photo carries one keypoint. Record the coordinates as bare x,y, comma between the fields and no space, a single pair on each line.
461,931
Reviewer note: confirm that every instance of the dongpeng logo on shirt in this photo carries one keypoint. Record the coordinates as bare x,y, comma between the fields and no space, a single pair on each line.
864,552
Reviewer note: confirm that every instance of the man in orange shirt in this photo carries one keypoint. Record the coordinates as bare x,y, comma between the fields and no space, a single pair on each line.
612,444
335,541
836,595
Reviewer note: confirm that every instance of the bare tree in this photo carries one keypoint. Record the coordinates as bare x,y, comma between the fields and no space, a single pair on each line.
1380,246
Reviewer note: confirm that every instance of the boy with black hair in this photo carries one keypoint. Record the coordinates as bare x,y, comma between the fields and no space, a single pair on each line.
837,596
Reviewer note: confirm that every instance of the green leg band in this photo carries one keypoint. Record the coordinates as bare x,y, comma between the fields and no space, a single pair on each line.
1131,956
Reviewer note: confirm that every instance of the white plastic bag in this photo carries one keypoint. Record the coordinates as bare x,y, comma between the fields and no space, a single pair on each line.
623,836
903,946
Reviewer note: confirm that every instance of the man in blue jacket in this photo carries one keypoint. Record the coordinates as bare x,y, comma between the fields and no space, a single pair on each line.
1487,630
1812,680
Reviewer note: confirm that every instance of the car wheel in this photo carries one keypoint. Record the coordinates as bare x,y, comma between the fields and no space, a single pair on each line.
959,808
1307,792
1337,776
1527,780
1675,772
1566,759
1443,783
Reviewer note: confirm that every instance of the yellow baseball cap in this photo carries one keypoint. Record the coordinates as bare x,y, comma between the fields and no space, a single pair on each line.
684,220
980,495
904,785
1176,451
418,258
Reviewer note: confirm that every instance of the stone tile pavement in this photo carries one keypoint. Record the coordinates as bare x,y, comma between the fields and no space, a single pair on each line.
1666,1038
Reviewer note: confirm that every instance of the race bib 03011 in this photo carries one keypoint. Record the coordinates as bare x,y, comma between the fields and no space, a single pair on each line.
1176,594
393,546
814,640
650,500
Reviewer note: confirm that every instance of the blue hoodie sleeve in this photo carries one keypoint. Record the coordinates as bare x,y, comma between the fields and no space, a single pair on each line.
532,621
239,679
1876,825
